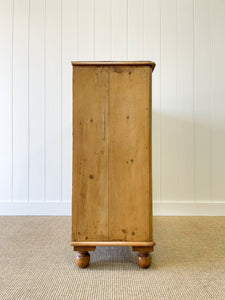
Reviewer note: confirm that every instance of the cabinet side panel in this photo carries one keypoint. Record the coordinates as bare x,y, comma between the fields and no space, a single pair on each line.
150,160
129,154
90,154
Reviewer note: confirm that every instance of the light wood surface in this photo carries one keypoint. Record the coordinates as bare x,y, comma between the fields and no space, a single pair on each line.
90,154
112,181
114,63
129,153
110,243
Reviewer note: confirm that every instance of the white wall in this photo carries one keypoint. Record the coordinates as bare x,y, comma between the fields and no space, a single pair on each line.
39,39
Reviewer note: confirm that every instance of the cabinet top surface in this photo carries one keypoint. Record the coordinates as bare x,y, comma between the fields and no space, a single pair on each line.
114,63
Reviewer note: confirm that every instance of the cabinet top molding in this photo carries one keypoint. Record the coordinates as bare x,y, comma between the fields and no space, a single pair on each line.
114,63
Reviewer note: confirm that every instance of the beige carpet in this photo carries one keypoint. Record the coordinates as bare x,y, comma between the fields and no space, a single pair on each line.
37,262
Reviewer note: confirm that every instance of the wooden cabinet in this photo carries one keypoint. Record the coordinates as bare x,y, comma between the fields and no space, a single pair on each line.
112,164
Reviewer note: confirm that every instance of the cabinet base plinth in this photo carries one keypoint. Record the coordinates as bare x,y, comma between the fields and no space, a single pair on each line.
113,243
144,259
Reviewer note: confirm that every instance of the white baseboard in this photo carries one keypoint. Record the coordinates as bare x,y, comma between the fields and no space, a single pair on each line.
35,208
189,209
64,209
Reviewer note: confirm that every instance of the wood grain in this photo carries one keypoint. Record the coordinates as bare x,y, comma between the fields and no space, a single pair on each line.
112,193
114,63
114,244
90,154
129,153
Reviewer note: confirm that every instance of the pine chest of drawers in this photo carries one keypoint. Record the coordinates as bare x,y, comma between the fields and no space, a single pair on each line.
112,164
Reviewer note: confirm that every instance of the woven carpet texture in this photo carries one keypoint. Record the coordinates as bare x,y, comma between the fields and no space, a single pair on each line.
37,262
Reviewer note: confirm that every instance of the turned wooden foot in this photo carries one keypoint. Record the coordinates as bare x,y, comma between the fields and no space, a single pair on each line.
144,259
82,259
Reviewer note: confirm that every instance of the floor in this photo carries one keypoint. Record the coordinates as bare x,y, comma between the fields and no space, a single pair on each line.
37,262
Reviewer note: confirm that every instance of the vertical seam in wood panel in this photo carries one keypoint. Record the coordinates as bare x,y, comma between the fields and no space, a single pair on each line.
210,72
127,30
110,29
61,99
28,100
45,38
150,237
75,69
78,30
143,29
12,69
109,69
178,148
177,179
193,96
160,108
94,29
